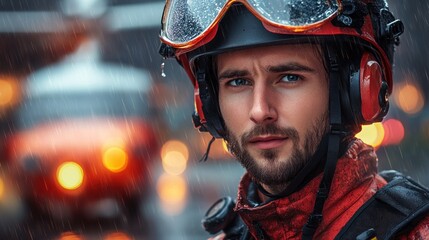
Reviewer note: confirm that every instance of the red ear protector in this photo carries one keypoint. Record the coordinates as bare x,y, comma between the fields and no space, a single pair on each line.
368,91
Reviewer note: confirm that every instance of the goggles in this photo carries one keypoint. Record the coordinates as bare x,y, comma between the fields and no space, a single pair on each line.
186,22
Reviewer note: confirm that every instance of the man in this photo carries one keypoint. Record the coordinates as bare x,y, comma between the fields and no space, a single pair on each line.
288,84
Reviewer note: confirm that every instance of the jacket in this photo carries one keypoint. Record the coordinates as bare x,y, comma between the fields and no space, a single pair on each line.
355,181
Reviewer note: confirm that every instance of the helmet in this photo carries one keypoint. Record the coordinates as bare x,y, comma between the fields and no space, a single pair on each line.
358,37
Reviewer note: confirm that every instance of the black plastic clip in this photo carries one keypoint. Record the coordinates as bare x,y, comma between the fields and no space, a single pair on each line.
166,51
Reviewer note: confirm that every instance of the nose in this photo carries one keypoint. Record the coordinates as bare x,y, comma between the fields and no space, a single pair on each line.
263,108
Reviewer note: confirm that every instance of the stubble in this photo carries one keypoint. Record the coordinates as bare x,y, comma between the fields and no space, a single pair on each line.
278,172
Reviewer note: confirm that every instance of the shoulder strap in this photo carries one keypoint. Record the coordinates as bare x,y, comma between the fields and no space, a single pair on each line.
401,202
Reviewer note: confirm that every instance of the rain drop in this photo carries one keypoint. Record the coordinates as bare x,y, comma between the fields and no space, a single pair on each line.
163,70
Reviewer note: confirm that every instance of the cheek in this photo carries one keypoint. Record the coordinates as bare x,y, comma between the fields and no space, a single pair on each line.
313,107
233,110
309,108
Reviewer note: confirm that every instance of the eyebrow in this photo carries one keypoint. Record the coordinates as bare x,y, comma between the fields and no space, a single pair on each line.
290,67
275,69
233,74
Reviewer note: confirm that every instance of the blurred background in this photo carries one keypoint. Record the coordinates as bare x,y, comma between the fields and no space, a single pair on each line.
96,137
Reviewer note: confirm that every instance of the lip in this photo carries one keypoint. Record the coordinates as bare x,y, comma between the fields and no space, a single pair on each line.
267,142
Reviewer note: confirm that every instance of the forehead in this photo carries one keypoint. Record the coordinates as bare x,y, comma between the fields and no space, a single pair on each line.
304,53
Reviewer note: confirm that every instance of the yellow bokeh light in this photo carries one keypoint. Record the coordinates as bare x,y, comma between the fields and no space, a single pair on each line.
174,163
1,188
372,134
70,175
115,159
174,156
409,98
172,191
224,146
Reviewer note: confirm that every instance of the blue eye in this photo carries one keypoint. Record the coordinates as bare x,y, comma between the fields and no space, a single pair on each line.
238,82
290,78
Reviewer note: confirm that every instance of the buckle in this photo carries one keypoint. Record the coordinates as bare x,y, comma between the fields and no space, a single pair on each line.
338,129
395,28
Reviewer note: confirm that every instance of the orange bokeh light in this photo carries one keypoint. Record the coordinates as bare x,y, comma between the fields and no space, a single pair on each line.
70,236
174,163
172,191
115,159
175,145
9,91
174,156
409,98
117,236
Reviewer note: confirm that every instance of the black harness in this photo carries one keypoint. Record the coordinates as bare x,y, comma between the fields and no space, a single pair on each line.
395,208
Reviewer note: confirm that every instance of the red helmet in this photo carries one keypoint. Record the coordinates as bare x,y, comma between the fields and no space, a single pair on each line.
194,31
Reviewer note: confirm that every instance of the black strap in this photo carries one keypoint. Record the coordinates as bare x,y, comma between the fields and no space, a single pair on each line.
391,210
335,137
324,188
206,155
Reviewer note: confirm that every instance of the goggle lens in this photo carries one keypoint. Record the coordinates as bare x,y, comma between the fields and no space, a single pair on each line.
295,13
187,19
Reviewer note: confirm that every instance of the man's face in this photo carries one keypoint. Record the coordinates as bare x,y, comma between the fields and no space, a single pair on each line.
274,101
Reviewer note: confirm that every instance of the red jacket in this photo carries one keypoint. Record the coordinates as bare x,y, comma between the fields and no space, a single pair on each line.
354,182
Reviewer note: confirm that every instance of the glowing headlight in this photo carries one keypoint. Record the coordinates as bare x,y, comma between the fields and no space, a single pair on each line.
115,159
70,175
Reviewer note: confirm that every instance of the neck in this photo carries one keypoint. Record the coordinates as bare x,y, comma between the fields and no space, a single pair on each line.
272,189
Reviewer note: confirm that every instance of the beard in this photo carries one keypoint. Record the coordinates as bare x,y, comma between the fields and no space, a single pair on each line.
277,172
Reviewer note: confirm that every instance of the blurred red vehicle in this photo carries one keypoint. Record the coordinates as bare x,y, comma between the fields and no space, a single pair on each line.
85,139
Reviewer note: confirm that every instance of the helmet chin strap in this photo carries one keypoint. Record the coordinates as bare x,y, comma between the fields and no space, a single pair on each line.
335,136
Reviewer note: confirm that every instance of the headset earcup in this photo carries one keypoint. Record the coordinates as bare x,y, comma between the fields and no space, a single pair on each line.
368,91
207,116
371,87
